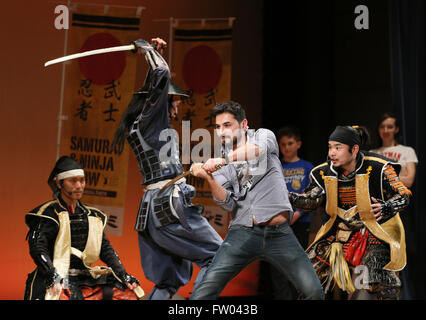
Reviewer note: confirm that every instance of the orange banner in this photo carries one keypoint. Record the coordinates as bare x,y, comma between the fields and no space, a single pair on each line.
97,90
202,67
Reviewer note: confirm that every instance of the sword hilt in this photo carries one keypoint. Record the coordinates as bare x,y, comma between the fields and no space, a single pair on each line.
139,292
168,184
140,43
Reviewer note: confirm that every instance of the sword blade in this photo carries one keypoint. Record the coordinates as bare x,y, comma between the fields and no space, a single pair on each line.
90,53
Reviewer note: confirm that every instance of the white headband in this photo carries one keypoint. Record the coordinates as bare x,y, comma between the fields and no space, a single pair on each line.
70,173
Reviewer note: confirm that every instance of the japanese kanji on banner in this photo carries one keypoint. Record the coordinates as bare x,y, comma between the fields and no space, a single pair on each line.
97,90
201,65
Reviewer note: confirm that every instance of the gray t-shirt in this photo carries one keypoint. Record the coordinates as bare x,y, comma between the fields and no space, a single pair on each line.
256,188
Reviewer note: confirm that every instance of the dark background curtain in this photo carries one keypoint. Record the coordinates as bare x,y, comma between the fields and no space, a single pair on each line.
320,71
407,56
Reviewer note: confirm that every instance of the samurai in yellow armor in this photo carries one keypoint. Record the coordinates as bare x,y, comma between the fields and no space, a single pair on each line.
361,247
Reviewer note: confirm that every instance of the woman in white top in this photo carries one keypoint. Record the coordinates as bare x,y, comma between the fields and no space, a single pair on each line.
388,129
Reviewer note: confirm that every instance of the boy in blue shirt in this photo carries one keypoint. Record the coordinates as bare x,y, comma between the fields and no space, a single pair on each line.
296,173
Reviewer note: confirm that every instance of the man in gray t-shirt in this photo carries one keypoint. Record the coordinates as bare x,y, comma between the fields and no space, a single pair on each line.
249,183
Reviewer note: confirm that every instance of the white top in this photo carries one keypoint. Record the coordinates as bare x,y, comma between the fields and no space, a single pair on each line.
399,153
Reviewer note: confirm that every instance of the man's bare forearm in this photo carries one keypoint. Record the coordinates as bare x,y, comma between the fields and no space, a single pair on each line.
217,190
244,153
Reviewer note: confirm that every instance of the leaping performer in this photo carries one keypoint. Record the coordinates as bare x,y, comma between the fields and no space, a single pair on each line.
172,232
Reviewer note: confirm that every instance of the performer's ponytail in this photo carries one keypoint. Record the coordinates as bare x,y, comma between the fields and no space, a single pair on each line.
364,136
127,119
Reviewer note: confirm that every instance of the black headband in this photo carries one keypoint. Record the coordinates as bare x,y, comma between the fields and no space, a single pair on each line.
346,135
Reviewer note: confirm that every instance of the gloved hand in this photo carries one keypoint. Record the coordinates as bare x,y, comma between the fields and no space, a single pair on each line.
53,279
143,45
387,211
130,281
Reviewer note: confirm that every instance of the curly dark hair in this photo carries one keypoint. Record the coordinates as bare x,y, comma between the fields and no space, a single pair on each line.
232,107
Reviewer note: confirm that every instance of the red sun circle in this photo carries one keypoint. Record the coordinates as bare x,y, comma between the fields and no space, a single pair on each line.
202,69
102,68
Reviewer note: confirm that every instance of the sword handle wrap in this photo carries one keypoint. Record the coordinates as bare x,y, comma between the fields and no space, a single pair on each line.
140,44
139,292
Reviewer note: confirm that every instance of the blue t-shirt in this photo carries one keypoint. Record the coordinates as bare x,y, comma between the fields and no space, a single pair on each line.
296,175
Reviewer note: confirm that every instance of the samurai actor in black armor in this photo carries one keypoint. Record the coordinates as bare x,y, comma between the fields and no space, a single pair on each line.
363,197
172,233
65,237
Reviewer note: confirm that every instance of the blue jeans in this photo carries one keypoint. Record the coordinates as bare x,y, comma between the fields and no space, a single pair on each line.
275,244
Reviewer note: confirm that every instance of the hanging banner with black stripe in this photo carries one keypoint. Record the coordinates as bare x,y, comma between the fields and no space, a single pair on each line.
97,91
201,65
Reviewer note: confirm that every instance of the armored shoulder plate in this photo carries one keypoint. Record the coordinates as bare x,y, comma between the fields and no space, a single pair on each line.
95,212
382,161
319,171
47,210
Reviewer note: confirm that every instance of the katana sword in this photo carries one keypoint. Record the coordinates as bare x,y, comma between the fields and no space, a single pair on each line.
182,175
187,173
130,47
